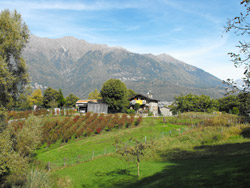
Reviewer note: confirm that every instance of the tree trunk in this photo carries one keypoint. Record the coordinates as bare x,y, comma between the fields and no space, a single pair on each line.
138,168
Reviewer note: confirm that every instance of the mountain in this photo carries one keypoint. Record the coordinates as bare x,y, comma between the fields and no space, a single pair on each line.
79,67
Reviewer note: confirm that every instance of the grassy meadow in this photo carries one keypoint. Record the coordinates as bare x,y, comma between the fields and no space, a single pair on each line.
192,150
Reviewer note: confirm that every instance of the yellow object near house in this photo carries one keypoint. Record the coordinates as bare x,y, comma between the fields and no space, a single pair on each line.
139,102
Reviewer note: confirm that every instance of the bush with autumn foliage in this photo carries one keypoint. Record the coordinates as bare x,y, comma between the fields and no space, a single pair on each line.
65,128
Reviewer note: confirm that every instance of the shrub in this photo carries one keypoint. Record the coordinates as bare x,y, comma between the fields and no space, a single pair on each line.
235,110
64,182
88,115
89,131
130,121
38,178
131,111
30,136
138,121
98,130
222,120
115,120
123,120
246,132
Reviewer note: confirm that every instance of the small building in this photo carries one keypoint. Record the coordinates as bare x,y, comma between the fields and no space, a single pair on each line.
164,108
95,106
165,111
147,104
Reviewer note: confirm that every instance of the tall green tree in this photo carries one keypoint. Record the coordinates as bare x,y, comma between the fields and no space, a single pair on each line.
14,35
61,100
71,100
114,93
95,95
50,97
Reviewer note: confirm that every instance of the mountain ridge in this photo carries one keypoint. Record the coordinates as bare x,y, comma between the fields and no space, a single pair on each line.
79,67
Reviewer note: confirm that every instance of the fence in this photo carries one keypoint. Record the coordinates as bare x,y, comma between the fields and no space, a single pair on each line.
80,158
107,150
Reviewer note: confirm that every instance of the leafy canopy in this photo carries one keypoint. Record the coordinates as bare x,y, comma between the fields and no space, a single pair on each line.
14,36
50,97
194,103
61,100
114,93
227,103
36,98
131,93
95,95
71,100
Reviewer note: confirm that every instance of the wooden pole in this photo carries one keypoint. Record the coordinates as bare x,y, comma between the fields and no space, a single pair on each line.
48,166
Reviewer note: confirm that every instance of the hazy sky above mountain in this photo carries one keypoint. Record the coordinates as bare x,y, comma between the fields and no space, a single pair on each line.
189,30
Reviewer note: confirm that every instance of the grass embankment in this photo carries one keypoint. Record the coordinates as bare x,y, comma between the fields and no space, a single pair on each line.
181,156
99,144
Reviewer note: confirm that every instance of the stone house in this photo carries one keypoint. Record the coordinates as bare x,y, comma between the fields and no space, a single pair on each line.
147,104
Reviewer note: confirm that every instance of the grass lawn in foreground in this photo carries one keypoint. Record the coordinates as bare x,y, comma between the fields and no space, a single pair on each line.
213,156
106,172
211,171
152,128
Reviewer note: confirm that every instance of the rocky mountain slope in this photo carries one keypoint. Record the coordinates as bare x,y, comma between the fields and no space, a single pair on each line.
79,67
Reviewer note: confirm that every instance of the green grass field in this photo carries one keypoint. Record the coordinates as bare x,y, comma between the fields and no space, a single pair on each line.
180,156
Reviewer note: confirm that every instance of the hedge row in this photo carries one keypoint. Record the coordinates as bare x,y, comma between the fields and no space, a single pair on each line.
83,126
40,112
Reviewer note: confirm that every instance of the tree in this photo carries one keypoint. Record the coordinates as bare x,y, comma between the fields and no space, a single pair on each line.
61,100
36,98
194,103
206,104
136,151
50,96
131,93
244,107
95,95
3,119
14,36
227,103
114,93
71,100
23,101
241,26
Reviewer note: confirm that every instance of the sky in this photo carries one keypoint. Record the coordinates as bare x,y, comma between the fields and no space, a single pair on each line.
189,30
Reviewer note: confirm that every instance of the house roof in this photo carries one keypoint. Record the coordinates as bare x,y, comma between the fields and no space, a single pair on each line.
86,101
145,97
